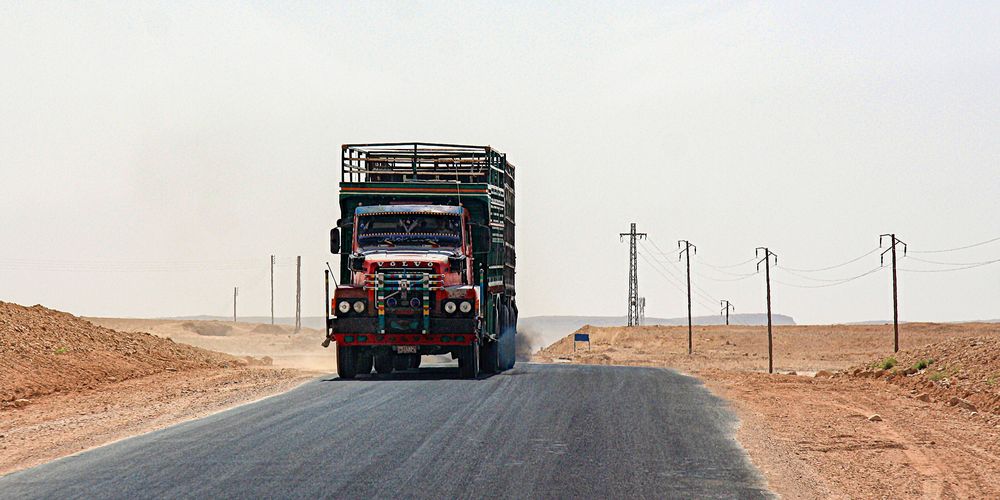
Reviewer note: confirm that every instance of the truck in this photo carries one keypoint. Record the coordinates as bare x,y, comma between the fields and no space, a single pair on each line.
427,261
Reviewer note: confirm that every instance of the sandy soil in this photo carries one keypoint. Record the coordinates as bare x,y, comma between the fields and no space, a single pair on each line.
937,434
67,384
286,348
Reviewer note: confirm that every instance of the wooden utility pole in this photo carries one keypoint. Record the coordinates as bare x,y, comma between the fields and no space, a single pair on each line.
726,306
272,289
686,247
767,276
235,292
895,292
298,293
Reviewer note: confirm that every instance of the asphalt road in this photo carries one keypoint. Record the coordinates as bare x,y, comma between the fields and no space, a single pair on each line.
538,431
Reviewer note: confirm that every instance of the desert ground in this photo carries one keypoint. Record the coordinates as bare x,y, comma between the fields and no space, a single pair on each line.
68,384
842,417
280,343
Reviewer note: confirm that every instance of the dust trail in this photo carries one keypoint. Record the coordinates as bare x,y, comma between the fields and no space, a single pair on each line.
528,340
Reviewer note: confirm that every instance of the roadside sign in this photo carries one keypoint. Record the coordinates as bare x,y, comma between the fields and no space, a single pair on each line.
581,337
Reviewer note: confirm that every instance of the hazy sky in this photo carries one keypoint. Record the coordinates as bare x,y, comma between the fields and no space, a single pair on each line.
153,155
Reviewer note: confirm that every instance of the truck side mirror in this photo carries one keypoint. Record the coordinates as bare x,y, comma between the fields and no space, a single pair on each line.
335,240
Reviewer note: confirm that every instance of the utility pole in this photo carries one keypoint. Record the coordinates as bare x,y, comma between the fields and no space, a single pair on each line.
633,276
726,306
235,292
642,310
895,294
272,289
298,293
686,251
767,275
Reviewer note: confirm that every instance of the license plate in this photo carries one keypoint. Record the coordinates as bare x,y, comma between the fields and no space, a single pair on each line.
406,349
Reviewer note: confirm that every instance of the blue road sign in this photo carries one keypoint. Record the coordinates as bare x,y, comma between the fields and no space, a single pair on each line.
581,337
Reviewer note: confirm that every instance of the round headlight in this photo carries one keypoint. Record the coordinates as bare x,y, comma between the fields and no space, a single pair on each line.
344,306
414,302
449,307
359,306
466,306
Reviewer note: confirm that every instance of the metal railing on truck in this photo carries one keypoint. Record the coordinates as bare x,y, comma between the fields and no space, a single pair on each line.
422,161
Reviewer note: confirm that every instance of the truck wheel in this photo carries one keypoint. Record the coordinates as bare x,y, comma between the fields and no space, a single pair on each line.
512,336
346,363
468,361
364,362
383,363
489,357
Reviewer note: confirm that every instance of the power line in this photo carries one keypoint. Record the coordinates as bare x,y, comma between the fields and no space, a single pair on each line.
952,263
702,293
822,280
841,282
842,264
705,293
981,243
981,264
673,281
729,266
741,278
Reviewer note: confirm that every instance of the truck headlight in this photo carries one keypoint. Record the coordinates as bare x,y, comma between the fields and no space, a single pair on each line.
344,307
450,307
359,306
465,307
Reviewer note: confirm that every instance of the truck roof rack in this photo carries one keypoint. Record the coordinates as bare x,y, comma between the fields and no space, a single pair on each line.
423,162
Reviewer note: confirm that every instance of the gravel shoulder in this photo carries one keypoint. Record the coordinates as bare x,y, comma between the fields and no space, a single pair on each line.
937,430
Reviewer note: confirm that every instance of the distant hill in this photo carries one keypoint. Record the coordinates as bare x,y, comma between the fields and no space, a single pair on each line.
307,321
541,331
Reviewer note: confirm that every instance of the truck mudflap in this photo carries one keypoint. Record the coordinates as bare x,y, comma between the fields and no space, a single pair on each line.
416,339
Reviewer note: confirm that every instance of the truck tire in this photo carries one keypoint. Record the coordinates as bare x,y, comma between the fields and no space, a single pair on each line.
512,340
489,357
346,363
364,362
468,361
507,342
384,363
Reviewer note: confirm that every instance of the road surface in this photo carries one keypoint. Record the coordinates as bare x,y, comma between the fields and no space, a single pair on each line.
538,431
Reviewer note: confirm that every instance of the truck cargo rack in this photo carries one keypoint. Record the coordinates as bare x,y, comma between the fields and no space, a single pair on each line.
423,161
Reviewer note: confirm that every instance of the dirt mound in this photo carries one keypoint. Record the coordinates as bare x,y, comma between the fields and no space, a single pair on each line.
962,372
43,351
270,329
208,328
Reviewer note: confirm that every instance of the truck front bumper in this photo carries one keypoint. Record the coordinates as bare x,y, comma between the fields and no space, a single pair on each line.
364,331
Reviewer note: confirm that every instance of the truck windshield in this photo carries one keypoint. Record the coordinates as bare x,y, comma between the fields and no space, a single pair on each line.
409,230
